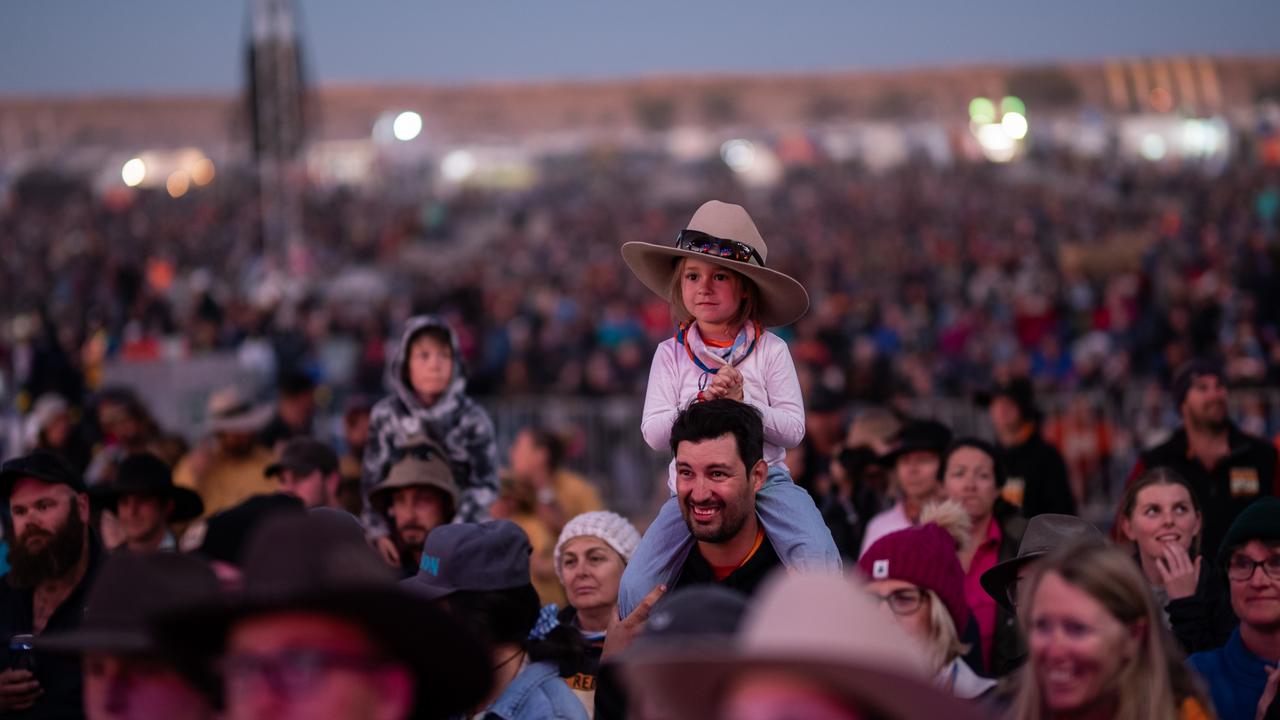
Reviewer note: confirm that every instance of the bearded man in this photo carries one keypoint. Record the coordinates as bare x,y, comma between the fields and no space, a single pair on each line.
53,559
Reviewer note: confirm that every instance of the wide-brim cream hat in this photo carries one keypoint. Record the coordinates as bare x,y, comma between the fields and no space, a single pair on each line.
783,300
824,628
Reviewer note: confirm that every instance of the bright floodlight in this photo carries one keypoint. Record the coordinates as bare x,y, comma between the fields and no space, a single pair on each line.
982,111
1153,147
458,165
739,155
134,172
407,126
996,143
1014,125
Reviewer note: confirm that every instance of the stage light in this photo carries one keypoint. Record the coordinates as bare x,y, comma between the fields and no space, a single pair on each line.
407,126
982,111
1013,104
1152,147
458,165
996,144
739,155
202,171
178,184
1014,125
134,172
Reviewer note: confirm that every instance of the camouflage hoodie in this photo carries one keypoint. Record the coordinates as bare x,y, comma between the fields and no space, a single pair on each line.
455,421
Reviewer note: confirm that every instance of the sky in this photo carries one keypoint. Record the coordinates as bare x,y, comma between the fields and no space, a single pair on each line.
79,47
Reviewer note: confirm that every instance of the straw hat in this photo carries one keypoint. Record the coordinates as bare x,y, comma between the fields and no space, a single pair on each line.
822,627
716,234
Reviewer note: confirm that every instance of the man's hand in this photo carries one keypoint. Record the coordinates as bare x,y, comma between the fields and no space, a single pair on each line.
622,632
1178,573
18,690
386,547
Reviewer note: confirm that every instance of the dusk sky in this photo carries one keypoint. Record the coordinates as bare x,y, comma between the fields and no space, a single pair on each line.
92,46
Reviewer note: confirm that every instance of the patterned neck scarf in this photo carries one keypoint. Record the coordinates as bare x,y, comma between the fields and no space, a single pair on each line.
710,359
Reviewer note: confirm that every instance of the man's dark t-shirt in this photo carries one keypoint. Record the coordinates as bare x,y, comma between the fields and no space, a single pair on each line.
58,674
745,579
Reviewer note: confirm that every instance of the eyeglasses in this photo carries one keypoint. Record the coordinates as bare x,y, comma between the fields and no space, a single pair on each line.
902,602
293,672
1242,567
700,242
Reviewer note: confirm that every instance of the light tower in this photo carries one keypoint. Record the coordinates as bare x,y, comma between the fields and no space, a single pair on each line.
276,104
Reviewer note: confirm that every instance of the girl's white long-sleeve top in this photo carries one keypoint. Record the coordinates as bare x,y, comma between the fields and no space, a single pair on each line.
769,384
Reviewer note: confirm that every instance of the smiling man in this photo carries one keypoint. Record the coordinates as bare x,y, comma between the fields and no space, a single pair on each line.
1227,468
719,449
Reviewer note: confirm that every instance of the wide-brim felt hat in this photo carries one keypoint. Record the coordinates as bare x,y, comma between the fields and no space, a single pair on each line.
231,411
783,300
821,627
145,474
1044,534
321,563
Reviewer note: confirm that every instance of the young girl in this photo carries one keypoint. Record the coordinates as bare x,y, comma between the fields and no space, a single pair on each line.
723,295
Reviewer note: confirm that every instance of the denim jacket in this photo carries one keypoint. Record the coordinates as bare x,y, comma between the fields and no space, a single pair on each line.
537,693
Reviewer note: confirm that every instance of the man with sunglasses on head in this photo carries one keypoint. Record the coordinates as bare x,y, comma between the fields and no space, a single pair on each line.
1243,675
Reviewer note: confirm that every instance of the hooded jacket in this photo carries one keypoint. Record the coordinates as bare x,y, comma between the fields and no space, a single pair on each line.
455,422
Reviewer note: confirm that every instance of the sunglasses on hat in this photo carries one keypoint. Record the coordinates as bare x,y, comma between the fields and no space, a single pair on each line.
700,242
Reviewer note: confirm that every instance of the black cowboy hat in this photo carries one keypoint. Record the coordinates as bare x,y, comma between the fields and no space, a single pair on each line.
1044,534
146,474
321,563
928,435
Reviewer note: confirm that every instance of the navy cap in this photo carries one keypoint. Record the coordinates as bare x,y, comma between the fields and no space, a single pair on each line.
304,455
1187,375
40,465
463,557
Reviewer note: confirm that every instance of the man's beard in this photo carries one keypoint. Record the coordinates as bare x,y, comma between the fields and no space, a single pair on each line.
405,545
59,555
1209,422
732,521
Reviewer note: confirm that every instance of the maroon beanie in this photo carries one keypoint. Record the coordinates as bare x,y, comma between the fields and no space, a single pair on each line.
924,556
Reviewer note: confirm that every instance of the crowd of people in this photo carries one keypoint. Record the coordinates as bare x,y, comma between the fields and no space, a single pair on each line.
926,282
799,568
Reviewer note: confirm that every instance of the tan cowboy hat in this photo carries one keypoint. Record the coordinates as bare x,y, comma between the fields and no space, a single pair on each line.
782,299
825,628
230,411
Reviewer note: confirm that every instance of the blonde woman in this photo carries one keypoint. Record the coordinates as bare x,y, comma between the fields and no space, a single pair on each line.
916,576
1098,647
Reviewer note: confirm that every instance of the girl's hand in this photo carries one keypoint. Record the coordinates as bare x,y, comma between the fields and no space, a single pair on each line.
1179,574
731,380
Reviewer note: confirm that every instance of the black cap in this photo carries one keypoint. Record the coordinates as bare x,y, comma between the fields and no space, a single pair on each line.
1187,375
40,465
1260,520
480,557
928,435
1019,391
303,456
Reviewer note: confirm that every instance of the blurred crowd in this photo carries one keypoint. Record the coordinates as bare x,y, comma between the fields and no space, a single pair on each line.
926,281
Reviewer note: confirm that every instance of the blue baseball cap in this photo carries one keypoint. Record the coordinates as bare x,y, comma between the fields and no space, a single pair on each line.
471,557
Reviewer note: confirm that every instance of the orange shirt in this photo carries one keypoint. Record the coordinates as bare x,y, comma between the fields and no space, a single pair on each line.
723,571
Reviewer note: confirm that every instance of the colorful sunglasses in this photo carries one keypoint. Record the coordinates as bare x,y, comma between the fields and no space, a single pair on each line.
700,242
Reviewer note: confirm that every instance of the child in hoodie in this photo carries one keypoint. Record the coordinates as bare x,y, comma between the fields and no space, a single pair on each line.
428,402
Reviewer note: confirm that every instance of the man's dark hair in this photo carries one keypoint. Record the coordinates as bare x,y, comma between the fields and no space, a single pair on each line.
551,442
715,419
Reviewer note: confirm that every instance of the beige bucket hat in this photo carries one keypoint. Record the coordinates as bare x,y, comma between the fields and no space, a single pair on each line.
825,628
722,234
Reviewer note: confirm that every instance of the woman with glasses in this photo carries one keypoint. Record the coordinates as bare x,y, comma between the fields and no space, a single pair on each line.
972,476
1160,514
915,574
1097,646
